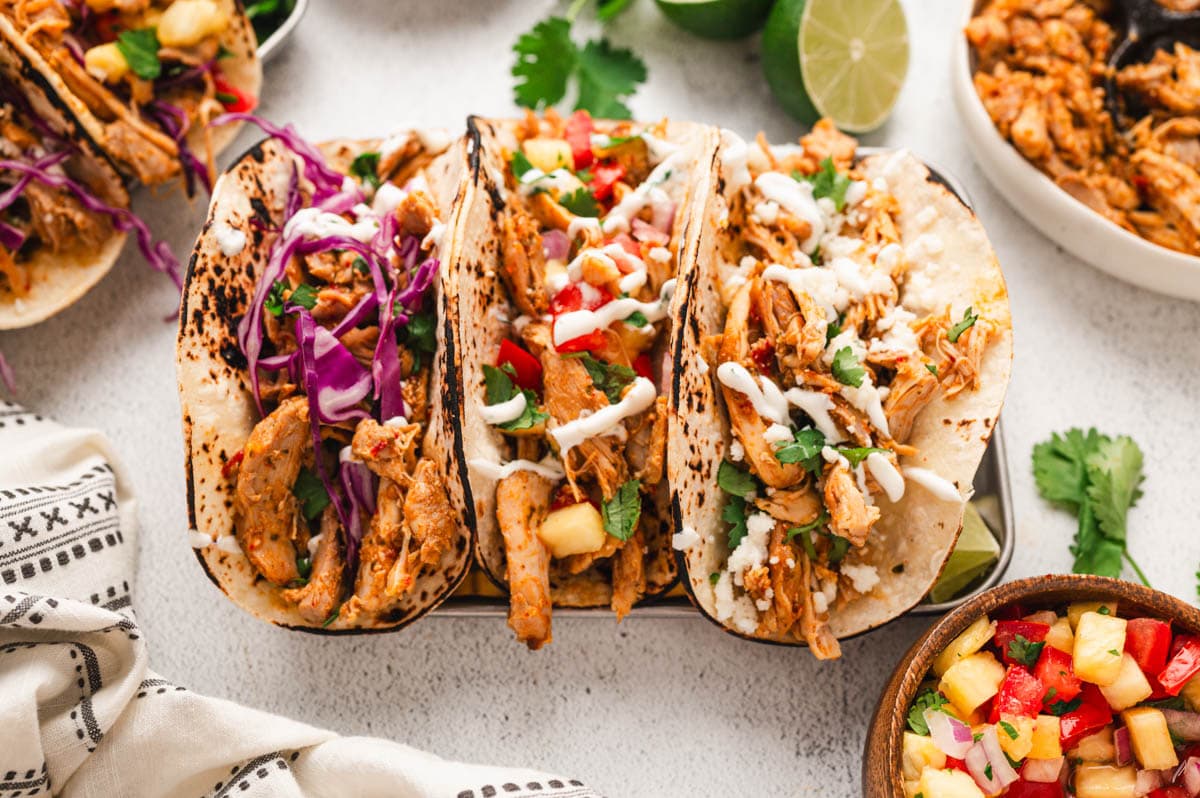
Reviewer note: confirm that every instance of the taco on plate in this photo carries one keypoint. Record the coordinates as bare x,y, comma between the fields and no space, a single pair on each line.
845,352
324,483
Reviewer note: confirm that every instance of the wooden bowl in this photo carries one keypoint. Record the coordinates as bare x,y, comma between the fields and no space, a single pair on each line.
881,774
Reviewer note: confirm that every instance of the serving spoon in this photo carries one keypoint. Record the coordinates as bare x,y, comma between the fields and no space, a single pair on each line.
1149,27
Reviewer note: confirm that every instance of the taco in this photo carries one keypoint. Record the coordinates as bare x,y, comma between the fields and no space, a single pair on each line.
845,354
323,480
64,209
567,308
144,77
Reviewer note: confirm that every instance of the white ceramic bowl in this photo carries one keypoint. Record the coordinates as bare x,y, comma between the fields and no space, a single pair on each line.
1069,223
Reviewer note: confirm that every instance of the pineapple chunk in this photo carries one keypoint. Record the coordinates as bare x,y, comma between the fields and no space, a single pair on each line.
1131,686
966,644
1191,693
1149,738
912,789
1098,747
1099,643
1105,781
548,154
186,23
1047,741
574,529
971,681
105,63
948,784
921,752
1061,636
1074,611
1016,747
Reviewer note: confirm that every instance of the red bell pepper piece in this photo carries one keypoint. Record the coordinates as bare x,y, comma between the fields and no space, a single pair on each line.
579,136
234,99
1055,671
1148,641
1092,715
641,365
956,764
604,176
1007,631
1183,665
528,369
1020,694
1034,789
1168,792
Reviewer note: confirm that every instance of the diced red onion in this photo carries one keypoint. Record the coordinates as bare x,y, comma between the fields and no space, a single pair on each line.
1184,725
649,234
1121,743
1042,771
555,245
1045,616
1189,774
662,214
977,763
949,734
1150,780
1002,772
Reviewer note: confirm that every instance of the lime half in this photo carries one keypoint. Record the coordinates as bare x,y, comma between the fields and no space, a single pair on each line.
973,555
717,19
844,59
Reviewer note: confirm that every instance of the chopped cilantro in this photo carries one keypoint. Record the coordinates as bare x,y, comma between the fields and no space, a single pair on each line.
734,513
304,566
499,387
273,304
846,368
303,295
833,330
420,336
805,530
637,319
858,454
311,493
1103,610
1009,729
1025,651
735,481
838,548
1114,653
333,616
932,368
930,699
580,202
140,50
987,770
805,449
622,511
968,321
1061,708
827,183
714,577
520,165
609,378
366,168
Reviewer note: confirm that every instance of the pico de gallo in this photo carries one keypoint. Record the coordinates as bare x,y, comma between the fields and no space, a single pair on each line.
1085,702
588,258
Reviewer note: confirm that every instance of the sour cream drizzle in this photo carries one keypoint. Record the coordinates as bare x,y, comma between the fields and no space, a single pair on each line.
939,486
581,322
886,475
817,405
503,412
317,223
637,398
547,468
652,190
797,199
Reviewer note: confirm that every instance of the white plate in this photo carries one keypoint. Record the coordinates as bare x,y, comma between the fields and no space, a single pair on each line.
1069,223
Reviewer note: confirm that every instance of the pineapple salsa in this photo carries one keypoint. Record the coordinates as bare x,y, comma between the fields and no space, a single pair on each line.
1086,703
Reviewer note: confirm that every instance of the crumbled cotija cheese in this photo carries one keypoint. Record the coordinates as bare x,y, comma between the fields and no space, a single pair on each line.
864,578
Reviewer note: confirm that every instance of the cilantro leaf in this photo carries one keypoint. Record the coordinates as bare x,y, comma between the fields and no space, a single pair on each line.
499,387
609,378
846,368
140,50
622,511
311,493
932,368
827,183
273,304
805,449
365,167
1025,651
968,321
804,529
420,336
607,77
833,329
930,699
1009,729
520,165
838,549
1060,466
858,454
714,577
637,319
734,513
735,481
303,295
580,202
361,266
1061,708
1115,477
546,58
333,616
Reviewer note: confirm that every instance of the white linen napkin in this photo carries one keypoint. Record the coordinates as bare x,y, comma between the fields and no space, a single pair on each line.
81,714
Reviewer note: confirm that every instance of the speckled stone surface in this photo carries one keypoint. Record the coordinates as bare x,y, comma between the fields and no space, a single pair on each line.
653,707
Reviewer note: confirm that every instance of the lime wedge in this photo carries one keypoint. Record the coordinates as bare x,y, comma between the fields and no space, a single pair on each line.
844,59
717,19
973,555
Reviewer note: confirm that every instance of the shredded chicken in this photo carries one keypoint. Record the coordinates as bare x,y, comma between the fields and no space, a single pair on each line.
521,503
850,514
317,600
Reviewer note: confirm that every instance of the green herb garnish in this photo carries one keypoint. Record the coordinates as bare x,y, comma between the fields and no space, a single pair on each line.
622,511
580,202
805,449
311,493
140,50
735,481
608,378
846,368
930,699
1025,651
499,387
827,183
968,321
366,168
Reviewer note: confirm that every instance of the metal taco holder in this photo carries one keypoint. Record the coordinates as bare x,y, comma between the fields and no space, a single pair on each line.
477,597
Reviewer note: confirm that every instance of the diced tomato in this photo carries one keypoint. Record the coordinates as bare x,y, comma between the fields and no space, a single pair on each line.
956,764
107,26
1168,792
1007,631
628,244
762,352
1055,671
1092,715
579,136
571,297
641,364
590,342
1183,665
1148,641
1020,694
1034,789
604,176
528,369
234,99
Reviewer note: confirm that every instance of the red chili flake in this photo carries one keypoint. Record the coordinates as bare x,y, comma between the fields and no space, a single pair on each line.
232,464
762,352
378,447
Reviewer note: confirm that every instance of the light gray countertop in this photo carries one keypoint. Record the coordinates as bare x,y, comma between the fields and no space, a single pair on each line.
650,707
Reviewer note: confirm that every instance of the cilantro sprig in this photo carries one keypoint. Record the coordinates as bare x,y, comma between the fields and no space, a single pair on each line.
930,699
1098,478
311,493
548,59
365,167
1025,651
608,378
139,48
804,448
968,321
622,511
828,182
847,369
499,387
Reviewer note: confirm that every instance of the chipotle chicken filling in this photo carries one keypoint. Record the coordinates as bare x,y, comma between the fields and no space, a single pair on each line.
335,502
1040,72
149,70
823,369
588,258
